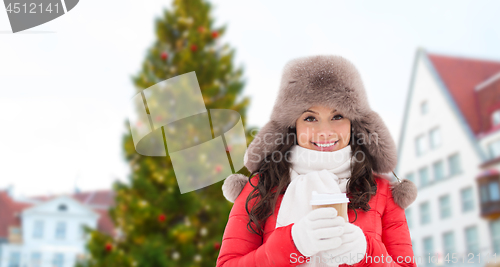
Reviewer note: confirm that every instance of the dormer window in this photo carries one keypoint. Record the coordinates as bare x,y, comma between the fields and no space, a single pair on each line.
495,118
62,207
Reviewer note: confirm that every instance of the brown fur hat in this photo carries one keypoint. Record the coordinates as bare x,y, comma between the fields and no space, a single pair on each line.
334,82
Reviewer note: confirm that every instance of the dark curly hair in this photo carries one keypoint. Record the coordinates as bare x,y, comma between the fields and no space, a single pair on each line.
274,178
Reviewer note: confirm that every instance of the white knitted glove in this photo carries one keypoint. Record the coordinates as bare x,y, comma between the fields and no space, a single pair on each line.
351,251
319,230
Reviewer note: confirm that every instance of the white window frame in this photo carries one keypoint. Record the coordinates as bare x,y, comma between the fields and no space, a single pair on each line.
435,139
494,149
36,259
450,165
495,117
60,230
428,178
449,242
425,217
58,260
472,231
444,208
467,200
14,259
38,229
424,107
420,145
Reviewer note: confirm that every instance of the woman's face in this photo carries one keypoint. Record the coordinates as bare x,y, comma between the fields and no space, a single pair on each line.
323,129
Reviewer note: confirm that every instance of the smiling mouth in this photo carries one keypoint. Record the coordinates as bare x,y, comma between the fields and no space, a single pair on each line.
325,145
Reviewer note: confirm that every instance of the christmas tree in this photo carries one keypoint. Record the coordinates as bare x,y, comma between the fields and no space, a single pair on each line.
159,226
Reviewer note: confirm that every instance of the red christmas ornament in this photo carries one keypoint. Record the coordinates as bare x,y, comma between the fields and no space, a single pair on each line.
193,47
109,247
215,34
216,245
162,217
201,29
218,168
164,55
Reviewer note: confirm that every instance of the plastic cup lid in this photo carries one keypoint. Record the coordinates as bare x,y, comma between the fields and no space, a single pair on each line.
324,199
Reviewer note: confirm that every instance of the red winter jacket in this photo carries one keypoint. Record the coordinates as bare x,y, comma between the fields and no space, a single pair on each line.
384,225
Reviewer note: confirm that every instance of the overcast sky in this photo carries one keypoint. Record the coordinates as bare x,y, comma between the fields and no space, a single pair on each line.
65,85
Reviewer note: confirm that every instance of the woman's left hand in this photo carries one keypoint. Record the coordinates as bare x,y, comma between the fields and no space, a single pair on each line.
351,251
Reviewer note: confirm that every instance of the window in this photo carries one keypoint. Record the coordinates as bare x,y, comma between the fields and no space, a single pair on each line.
435,138
425,213
445,206
438,168
36,259
61,230
467,199
490,192
82,231
484,193
14,259
58,260
411,177
454,164
424,108
495,235
495,117
494,195
494,148
62,207
15,230
449,243
423,174
408,217
38,229
472,240
420,145
428,247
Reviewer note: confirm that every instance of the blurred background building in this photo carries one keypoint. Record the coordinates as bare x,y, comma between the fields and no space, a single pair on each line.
46,231
450,148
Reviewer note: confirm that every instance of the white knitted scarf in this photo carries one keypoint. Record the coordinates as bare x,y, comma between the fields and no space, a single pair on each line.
312,170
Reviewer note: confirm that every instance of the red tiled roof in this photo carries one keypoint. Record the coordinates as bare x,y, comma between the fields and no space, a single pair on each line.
489,97
105,224
9,209
98,198
461,76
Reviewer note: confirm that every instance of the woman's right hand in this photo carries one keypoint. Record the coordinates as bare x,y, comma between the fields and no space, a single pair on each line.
319,230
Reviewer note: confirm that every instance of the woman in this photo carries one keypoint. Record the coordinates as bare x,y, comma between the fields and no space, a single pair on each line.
322,137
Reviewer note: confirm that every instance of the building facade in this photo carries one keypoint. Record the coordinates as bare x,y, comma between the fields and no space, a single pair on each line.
450,148
48,232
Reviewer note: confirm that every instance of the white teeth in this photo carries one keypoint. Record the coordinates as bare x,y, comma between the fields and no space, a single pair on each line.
326,145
